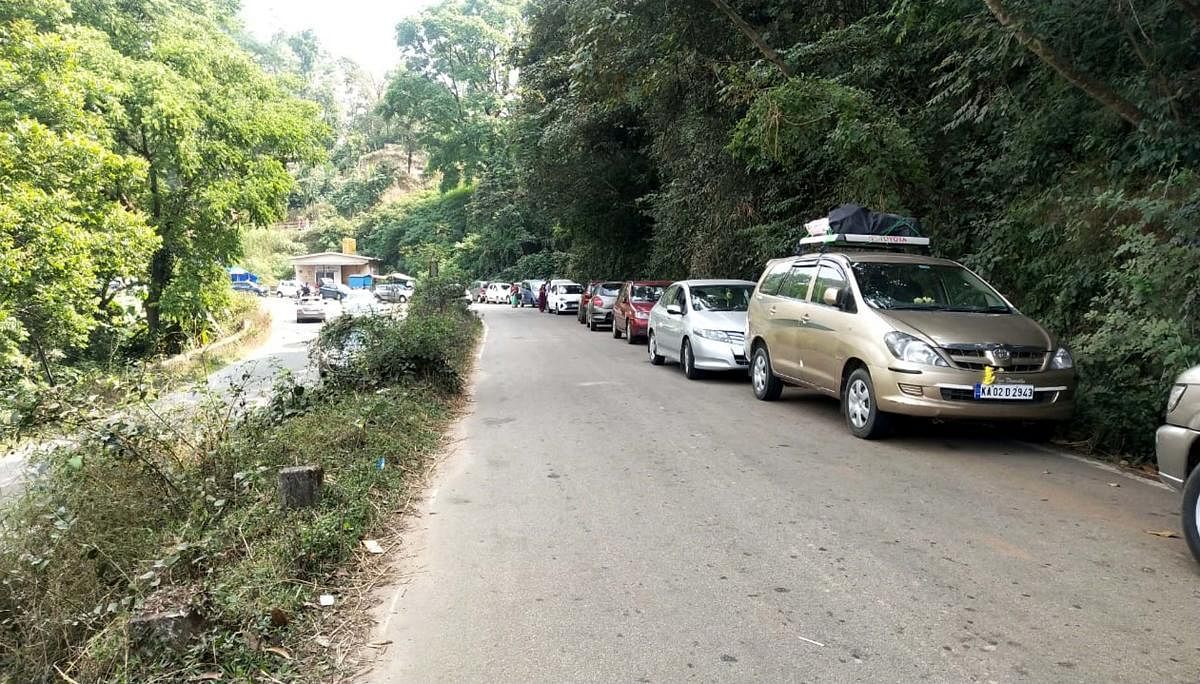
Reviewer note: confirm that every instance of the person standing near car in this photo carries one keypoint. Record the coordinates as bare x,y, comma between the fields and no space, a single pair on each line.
542,298
514,295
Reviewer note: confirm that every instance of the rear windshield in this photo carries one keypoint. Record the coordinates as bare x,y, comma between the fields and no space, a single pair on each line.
572,289
609,289
927,287
721,297
646,293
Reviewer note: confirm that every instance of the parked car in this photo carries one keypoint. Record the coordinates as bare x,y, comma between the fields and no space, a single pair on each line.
631,311
481,295
393,292
336,291
288,288
529,292
498,293
1177,444
700,324
890,333
583,298
310,308
249,288
563,296
597,308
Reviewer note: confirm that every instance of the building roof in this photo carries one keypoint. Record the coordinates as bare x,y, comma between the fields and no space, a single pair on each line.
332,259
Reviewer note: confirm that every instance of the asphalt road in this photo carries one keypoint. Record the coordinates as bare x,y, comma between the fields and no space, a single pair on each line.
601,519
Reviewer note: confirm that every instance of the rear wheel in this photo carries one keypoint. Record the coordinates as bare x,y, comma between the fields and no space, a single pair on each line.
1191,512
687,362
766,386
652,348
863,416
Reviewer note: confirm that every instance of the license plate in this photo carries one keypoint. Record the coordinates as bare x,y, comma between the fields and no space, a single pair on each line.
1017,392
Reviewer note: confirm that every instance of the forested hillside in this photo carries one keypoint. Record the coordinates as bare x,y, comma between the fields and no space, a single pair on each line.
1051,146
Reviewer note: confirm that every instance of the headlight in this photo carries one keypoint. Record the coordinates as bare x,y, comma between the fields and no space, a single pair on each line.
1176,394
908,348
715,335
642,315
1062,360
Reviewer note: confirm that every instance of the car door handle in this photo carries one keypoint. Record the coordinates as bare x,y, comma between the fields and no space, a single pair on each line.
805,318
771,311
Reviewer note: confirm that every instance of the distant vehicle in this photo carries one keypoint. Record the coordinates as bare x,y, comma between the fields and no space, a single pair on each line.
529,292
481,295
335,291
631,312
563,296
1177,444
497,293
701,324
587,292
288,288
597,307
889,333
249,288
310,308
393,292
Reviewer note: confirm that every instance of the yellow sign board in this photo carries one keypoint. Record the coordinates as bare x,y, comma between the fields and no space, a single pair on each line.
348,245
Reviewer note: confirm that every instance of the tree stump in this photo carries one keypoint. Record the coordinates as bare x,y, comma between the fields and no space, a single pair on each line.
300,487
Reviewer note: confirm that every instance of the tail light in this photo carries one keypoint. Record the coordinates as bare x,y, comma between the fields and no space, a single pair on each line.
596,301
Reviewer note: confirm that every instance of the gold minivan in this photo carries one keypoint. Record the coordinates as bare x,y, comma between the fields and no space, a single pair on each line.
891,333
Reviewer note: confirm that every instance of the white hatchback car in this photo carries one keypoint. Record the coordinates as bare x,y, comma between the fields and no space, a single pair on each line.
562,296
702,325
497,293
288,288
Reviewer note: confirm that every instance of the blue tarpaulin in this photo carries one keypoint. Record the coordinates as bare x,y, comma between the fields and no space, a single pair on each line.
237,274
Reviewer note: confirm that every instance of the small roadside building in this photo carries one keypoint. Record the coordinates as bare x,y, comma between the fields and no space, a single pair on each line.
354,270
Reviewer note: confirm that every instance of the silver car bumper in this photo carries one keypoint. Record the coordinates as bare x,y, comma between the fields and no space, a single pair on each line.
1172,444
714,355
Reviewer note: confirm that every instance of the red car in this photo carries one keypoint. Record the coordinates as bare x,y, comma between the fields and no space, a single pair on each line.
631,313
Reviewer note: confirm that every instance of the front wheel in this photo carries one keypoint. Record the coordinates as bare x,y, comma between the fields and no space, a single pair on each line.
1191,512
863,416
766,386
615,330
687,362
652,348
403,299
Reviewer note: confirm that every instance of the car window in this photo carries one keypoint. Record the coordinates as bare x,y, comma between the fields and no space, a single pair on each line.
571,289
645,293
669,298
721,297
609,289
795,285
829,276
770,284
934,287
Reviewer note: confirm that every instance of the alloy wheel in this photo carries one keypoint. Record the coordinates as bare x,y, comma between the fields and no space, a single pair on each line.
858,403
759,373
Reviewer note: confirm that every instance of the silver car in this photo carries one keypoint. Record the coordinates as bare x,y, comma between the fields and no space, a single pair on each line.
310,308
702,325
1178,449
598,309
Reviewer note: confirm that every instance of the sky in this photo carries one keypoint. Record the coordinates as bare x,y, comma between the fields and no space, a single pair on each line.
363,30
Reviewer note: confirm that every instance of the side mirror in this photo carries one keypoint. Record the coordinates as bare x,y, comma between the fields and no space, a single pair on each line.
832,296
674,310
839,297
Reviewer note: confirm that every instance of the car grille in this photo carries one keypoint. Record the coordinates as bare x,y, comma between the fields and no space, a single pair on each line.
972,357
949,394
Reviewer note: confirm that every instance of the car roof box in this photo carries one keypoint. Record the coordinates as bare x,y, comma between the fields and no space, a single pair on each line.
851,224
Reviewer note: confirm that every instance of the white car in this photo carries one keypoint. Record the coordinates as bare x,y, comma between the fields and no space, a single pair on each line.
702,325
288,288
562,296
311,308
497,293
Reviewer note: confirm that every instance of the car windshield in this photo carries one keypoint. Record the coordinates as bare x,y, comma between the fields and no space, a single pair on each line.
571,289
645,293
721,297
609,289
926,287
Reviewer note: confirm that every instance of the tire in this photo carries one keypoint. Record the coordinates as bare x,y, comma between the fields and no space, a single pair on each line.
615,330
687,362
592,326
1191,512
656,359
766,386
628,335
403,299
863,417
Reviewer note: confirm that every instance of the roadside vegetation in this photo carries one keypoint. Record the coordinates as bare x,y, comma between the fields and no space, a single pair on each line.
149,514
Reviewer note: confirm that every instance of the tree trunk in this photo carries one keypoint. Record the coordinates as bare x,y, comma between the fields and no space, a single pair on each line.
767,51
1095,89
160,275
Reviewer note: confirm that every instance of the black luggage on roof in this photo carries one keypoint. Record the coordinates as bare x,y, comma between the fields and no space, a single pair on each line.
851,219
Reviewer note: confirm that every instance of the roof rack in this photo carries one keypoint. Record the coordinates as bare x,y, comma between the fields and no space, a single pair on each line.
856,239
